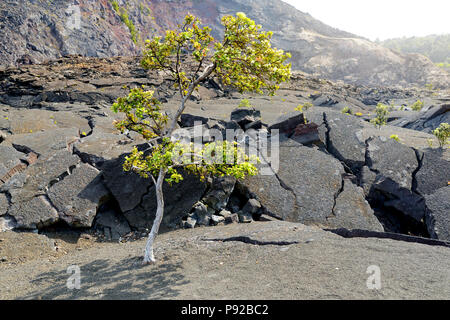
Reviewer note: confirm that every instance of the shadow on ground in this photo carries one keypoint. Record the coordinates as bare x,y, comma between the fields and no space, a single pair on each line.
102,279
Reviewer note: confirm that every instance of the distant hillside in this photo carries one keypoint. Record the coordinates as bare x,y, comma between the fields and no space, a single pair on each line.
36,30
435,47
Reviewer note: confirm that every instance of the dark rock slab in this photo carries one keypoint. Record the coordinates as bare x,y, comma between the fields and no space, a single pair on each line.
438,214
427,120
201,214
344,139
101,146
189,120
434,172
35,213
178,198
128,188
112,223
304,175
244,116
10,158
46,142
78,196
393,160
40,176
352,211
287,122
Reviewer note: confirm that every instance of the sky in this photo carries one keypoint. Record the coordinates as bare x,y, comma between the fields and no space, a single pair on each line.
382,19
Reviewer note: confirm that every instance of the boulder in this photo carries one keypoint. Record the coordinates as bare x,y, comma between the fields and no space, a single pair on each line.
114,222
286,123
304,175
128,188
271,192
393,160
35,213
216,220
438,213
201,214
189,120
178,198
30,205
245,217
255,125
307,134
10,162
352,211
190,223
433,173
344,139
244,116
394,165
218,195
78,196
252,206
40,176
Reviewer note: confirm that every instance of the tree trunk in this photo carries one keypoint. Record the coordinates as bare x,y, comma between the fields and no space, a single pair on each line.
149,257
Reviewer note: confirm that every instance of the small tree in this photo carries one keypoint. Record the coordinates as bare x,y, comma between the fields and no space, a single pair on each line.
382,112
417,106
442,133
243,59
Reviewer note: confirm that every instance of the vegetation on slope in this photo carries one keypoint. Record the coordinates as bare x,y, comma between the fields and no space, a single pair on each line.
435,47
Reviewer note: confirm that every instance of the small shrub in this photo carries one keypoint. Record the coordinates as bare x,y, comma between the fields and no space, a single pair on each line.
346,110
358,114
304,107
395,137
382,112
442,133
417,106
123,14
116,6
245,103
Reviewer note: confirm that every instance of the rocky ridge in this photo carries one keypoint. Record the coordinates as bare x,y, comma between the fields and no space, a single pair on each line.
37,30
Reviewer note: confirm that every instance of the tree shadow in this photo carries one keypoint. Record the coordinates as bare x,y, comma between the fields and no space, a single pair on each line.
102,279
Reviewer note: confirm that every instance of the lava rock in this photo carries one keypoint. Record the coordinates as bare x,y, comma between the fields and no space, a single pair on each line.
78,196
245,116
201,214
219,194
216,220
433,173
352,211
178,200
287,122
252,206
244,217
438,214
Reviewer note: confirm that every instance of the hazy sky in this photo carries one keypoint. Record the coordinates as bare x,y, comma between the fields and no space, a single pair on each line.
381,18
